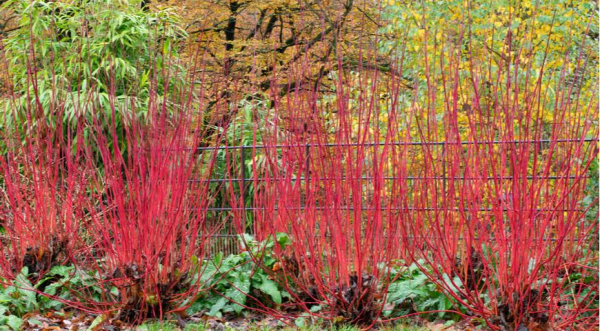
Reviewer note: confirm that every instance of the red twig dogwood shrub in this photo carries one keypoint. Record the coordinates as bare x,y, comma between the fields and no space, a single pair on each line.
498,223
325,168
43,183
153,231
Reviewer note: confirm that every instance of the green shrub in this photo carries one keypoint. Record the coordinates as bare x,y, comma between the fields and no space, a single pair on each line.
412,292
79,57
231,279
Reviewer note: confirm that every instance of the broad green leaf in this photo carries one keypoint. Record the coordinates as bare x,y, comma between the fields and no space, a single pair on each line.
270,287
239,293
97,322
14,322
217,307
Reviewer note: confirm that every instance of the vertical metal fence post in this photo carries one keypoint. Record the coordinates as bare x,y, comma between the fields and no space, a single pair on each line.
307,155
444,168
242,182
306,178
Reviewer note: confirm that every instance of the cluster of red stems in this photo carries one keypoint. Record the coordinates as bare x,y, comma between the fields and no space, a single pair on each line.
487,205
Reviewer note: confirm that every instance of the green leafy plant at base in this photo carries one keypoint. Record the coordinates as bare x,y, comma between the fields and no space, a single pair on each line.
16,301
233,278
412,292
21,298
256,326
162,326
60,284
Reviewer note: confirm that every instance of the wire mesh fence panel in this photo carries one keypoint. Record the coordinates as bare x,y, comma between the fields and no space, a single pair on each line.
240,181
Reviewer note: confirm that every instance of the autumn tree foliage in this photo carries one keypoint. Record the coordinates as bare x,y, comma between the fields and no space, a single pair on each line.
258,43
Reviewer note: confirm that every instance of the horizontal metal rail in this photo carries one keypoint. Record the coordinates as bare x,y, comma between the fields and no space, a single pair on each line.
384,209
237,179
435,237
412,143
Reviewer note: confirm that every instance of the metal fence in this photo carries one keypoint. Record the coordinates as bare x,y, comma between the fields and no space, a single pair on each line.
227,241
